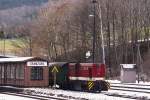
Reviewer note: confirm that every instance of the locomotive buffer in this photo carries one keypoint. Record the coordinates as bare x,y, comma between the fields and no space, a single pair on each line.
55,71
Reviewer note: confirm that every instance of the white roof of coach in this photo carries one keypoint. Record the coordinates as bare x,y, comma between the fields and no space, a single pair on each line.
15,59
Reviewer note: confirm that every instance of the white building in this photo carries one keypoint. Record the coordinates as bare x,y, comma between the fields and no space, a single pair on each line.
128,73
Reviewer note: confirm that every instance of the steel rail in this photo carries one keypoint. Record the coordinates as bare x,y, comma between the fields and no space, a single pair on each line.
127,87
38,97
130,84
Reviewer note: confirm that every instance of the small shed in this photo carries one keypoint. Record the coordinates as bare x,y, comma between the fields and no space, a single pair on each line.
24,71
128,73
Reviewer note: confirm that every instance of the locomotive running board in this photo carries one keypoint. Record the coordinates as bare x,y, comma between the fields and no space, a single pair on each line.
86,78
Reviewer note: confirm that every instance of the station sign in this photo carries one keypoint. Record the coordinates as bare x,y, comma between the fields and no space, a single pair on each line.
37,63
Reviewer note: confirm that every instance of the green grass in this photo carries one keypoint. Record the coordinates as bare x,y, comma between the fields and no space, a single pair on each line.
11,45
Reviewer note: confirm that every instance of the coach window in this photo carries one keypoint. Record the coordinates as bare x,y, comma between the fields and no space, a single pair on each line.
36,73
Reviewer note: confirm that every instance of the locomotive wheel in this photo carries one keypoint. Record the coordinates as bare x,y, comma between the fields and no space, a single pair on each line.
77,86
83,87
98,87
105,86
70,86
64,86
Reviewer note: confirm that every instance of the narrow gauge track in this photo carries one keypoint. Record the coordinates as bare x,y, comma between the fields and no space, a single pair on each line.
120,88
134,88
123,96
117,94
38,97
133,84
130,90
131,87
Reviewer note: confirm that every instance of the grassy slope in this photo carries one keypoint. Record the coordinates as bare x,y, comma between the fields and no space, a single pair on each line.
9,45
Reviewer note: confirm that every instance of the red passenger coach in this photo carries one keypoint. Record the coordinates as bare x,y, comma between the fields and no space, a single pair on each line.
81,74
24,71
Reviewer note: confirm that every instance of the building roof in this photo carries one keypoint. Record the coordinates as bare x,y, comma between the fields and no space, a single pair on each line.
129,66
6,56
15,59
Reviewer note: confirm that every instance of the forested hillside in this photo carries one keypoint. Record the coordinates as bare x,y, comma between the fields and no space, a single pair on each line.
63,30
6,4
14,13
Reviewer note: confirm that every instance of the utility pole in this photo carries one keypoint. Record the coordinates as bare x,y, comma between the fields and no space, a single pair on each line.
102,35
30,45
4,53
3,37
94,28
139,62
4,41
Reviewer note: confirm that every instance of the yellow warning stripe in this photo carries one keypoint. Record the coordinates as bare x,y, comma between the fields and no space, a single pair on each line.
90,84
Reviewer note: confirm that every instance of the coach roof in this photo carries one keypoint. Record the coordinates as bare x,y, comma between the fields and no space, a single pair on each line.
15,59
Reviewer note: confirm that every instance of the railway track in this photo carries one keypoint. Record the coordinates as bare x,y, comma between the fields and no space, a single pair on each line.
126,96
116,95
38,97
23,95
132,84
132,88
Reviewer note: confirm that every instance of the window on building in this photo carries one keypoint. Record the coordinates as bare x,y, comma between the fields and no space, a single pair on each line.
2,70
12,72
36,73
8,70
19,71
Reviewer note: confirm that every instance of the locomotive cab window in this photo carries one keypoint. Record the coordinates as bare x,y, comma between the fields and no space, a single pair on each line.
36,73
